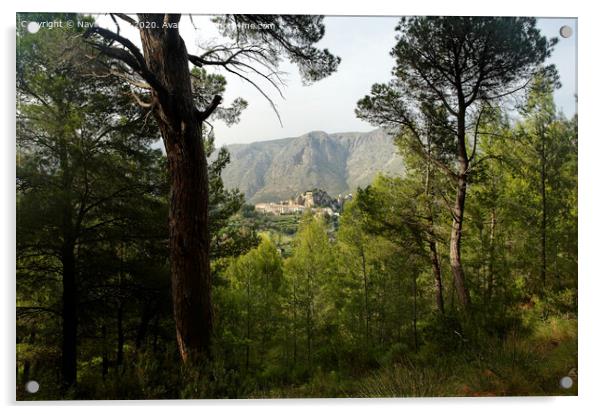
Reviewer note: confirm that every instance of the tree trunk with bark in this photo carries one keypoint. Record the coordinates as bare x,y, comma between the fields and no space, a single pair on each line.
458,214
174,110
437,274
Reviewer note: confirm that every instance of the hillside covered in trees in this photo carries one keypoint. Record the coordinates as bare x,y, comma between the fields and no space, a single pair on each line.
140,275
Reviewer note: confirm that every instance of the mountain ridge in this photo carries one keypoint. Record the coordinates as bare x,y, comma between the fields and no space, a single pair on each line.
338,163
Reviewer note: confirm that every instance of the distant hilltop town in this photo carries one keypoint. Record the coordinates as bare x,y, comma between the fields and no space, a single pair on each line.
317,200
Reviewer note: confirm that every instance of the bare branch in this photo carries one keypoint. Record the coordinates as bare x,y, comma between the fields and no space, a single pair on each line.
116,23
126,18
23,311
202,116
476,136
486,158
518,88
141,103
272,104
130,80
210,126
266,76
192,22
131,56
231,59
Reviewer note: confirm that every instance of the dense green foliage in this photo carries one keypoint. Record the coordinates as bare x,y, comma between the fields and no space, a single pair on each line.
305,306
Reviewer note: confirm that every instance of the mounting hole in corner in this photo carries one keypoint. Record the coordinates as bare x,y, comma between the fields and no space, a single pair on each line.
566,382
566,31
32,387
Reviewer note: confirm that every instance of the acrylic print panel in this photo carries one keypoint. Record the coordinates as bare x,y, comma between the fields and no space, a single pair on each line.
404,224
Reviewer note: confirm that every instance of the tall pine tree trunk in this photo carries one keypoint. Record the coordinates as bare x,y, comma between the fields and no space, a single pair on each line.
458,215
167,58
437,274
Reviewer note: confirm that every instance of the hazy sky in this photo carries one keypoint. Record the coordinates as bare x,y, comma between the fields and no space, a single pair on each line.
363,43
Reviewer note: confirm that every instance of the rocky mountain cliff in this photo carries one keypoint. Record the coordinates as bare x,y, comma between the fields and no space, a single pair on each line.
338,163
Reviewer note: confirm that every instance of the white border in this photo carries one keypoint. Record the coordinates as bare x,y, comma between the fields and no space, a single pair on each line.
590,231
